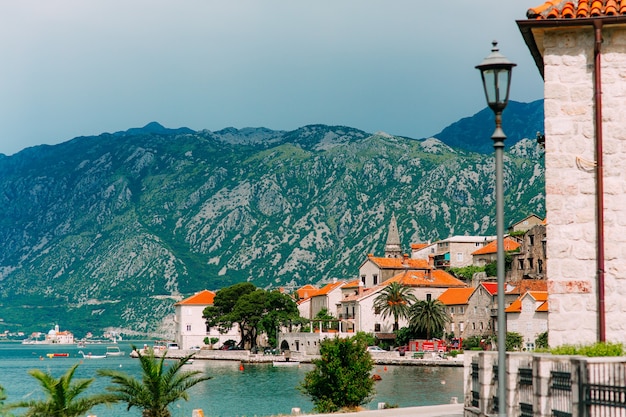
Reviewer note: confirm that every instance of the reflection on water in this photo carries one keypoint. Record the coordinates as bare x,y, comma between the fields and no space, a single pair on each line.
258,390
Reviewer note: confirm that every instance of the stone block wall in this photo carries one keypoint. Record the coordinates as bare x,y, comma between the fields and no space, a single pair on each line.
571,182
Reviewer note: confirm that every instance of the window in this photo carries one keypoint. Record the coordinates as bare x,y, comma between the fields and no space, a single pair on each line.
459,256
363,279
473,326
429,297
520,264
451,310
189,327
452,327
461,310
539,266
376,310
531,240
530,263
461,326
377,327
375,279
480,325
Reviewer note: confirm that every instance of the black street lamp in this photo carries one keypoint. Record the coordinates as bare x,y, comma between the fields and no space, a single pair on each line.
495,71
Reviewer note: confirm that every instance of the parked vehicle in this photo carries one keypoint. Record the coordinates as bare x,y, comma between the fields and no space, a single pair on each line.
375,349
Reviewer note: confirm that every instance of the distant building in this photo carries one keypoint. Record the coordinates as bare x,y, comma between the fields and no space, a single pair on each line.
489,252
61,337
191,328
456,251
526,223
530,261
528,316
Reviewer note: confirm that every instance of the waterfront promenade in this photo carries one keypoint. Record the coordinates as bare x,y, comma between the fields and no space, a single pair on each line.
446,410
244,356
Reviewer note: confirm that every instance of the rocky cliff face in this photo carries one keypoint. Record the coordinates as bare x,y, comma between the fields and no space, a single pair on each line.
109,231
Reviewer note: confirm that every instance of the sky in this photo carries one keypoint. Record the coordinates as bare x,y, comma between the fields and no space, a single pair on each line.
406,67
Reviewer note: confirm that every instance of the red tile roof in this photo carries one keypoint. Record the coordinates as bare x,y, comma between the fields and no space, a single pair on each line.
204,297
421,278
365,293
510,244
418,246
328,288
491,287
523,285
399,263
456,296
538,296
306,292
577,9
352,284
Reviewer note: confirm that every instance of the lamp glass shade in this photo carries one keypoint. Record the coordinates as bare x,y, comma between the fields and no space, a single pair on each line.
497,82
496,74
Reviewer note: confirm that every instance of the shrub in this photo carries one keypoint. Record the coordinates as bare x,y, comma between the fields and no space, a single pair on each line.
594,350
341,378
541,342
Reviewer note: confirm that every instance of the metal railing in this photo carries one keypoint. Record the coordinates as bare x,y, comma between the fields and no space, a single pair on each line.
561,390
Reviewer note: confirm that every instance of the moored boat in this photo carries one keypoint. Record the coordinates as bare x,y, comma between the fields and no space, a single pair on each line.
57,355
90,356
114,351
286,363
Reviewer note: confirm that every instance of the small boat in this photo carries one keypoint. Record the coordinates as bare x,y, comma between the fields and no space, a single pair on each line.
114,351
189,362
57,355
90,356
286,363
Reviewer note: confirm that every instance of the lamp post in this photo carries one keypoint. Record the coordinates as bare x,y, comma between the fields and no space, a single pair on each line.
495,71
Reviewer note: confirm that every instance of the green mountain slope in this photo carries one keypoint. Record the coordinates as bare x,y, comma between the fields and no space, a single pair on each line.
108,231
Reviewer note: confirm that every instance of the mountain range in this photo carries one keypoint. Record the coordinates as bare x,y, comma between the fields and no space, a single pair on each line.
108,231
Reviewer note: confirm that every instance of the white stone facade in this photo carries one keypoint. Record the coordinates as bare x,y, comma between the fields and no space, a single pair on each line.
568,56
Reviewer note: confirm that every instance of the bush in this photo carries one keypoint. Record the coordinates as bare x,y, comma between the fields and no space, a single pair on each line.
472,342
596,350
541,342
466,272
341,378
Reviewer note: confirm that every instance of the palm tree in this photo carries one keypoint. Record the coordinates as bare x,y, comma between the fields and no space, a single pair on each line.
395,300
429,316
61,396
3,408
159,387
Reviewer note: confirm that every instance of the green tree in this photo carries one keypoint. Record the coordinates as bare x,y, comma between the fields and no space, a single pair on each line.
405,335
466,272
541,342
62,396
395,300
253,310
158,388
429,316
280,310
514,341
341,378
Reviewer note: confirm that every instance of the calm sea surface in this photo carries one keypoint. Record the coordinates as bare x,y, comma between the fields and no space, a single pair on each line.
258,390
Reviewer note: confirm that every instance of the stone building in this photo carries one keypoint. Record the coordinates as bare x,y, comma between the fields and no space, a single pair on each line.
579,48
530,261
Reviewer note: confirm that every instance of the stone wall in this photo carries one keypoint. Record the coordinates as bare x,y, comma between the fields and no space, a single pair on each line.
571,185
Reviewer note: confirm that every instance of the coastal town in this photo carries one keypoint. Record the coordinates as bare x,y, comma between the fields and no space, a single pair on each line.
470,304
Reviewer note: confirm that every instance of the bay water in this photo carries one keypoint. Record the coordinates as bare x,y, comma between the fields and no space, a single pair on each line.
257,390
